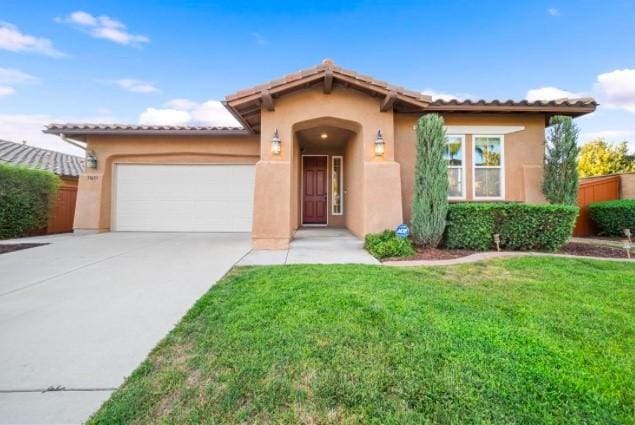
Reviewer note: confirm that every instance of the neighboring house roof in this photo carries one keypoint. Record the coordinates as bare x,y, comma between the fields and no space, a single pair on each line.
245,105
59,163
105,129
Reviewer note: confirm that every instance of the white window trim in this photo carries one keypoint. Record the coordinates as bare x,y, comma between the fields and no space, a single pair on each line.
501,167
341,158
463,197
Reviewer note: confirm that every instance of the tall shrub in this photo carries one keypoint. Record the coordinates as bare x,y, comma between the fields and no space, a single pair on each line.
430,200
561,162
26,197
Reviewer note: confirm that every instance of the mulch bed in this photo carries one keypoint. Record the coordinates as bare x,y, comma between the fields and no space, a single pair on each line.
588,250
434,254
4,248
572,248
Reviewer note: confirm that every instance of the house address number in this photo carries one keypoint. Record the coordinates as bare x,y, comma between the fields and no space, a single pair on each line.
92,177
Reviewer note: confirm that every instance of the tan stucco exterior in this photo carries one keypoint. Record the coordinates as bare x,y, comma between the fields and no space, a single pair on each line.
377,189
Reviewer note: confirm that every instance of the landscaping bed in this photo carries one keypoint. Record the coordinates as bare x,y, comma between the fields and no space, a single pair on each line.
433,254
590,250
10,247
522,340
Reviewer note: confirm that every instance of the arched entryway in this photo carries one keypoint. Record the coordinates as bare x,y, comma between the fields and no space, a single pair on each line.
326,174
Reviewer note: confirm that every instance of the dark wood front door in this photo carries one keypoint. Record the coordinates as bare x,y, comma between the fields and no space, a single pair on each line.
314,191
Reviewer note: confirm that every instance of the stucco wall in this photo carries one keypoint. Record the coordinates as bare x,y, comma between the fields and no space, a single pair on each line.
93,210
523,154
628,185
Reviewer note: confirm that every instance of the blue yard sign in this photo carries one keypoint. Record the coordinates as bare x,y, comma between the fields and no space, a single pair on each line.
402,231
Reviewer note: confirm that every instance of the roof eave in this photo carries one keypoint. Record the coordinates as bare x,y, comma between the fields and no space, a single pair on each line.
125,132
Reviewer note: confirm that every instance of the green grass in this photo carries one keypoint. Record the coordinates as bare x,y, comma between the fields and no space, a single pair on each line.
525,341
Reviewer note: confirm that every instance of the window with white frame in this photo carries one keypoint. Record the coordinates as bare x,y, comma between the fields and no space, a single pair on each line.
454,155
489,177
337,183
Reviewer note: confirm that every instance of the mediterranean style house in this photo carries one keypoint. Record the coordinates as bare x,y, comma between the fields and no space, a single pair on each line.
321,147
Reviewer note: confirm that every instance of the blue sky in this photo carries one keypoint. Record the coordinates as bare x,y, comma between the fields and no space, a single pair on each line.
171,61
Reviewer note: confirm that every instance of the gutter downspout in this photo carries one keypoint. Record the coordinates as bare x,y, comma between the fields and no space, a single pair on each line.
72,142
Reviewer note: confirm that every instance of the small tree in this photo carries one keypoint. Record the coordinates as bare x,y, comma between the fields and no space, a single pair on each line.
430,200
598,158
561,162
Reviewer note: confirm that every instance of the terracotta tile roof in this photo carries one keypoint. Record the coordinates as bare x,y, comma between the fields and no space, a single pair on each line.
87,128
59,163
329,66
585,101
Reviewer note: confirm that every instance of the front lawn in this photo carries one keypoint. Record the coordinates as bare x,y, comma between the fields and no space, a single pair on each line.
524,340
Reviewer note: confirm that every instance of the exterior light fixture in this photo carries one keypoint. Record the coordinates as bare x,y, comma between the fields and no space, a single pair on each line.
627,233
497,241
275,143
380,145
324,136
91,160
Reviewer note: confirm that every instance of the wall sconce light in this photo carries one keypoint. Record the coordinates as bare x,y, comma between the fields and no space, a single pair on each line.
91,160
380,145
275,143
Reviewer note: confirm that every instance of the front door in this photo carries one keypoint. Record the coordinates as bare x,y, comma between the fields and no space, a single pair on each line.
314,190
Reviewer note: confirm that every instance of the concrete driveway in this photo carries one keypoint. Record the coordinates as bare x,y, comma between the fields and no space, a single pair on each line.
82,313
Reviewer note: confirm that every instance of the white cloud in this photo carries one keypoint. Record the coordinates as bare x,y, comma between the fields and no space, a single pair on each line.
103,27
437,95
136,86
154,116
13,40
28,127
10,76
552,11
188,112
15,76
550,93
6,91
184,104
617,88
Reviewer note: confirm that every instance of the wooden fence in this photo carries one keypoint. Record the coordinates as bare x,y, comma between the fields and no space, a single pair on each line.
61,219
594,190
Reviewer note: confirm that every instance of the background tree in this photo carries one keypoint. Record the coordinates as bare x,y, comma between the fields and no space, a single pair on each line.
561,162
430,200
599,157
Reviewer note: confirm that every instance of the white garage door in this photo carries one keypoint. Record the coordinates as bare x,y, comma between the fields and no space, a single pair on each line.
183,198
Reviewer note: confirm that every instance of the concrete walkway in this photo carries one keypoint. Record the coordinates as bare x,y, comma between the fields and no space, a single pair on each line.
82,313
314,246
482,256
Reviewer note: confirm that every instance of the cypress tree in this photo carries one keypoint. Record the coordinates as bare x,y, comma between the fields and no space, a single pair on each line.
430,198
560,185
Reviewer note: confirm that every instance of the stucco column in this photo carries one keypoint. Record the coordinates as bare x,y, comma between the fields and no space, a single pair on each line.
272,195
88,205
382,196
383,207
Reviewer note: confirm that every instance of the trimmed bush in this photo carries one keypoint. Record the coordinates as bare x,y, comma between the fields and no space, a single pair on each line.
520,226
387,244
26,198
612,217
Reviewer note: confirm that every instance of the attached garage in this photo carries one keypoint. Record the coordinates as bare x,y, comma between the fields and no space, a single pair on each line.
183,198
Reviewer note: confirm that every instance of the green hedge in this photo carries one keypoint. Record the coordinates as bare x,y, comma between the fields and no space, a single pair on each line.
387,244
26,197
612,217
520,226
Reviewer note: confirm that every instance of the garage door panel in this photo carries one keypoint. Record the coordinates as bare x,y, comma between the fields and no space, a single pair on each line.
187,198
